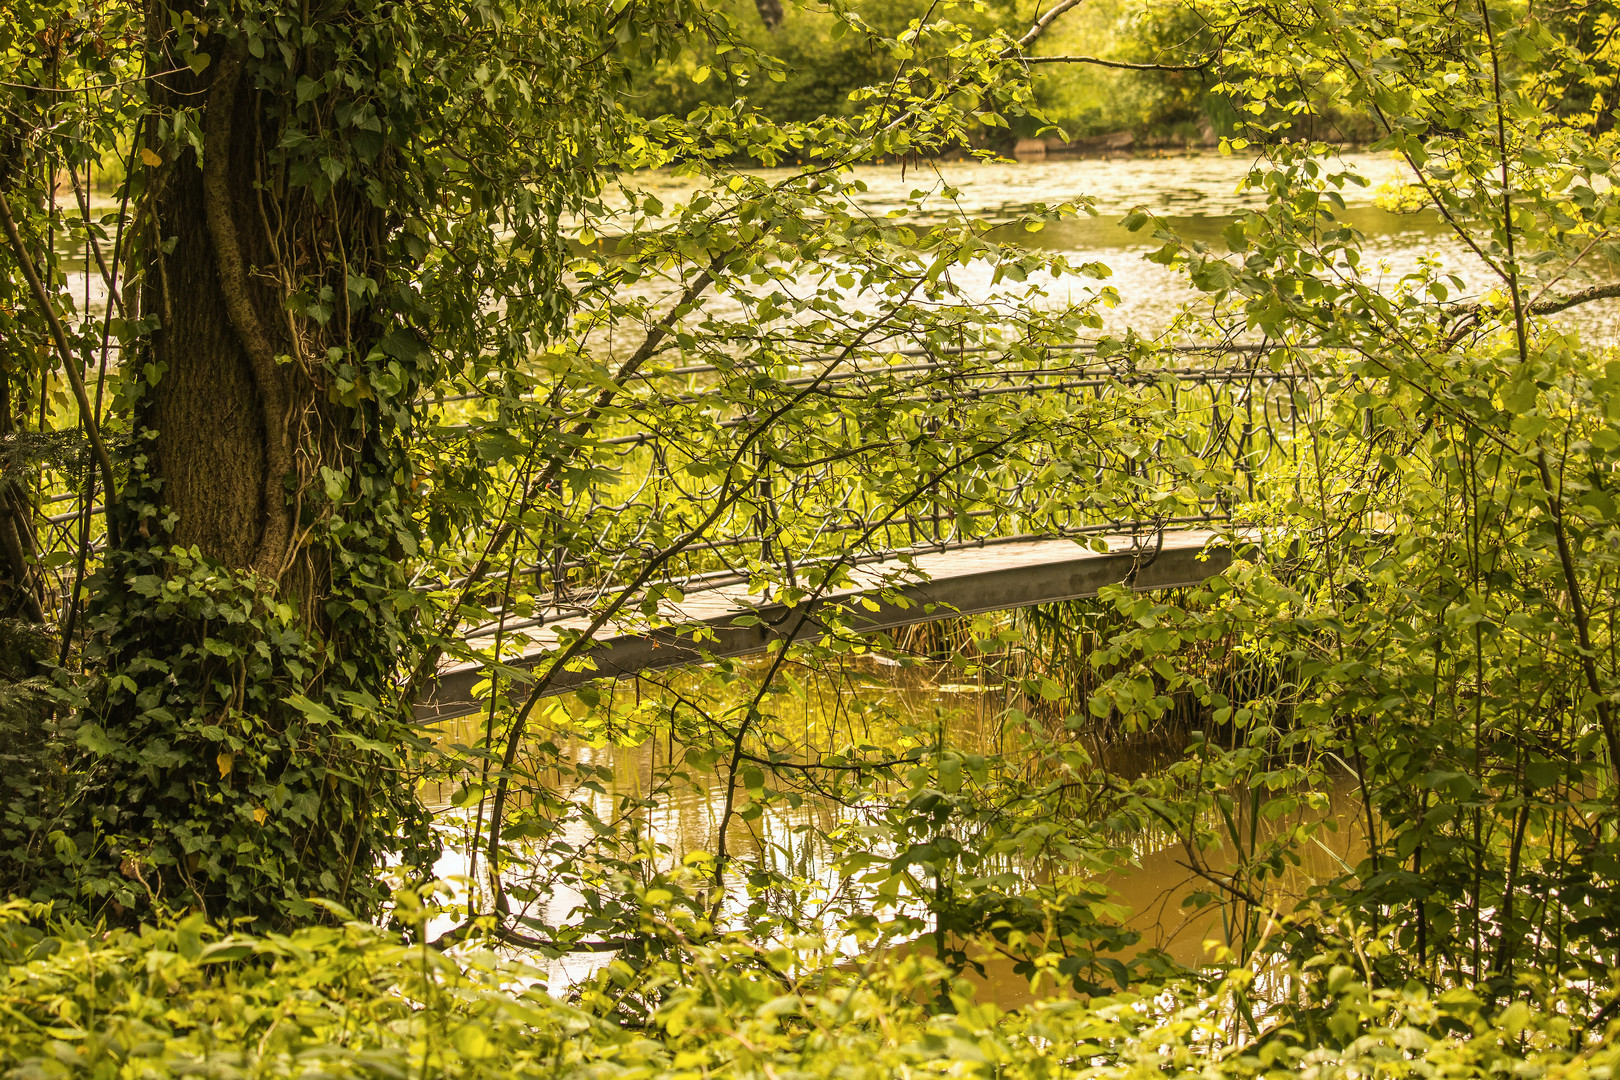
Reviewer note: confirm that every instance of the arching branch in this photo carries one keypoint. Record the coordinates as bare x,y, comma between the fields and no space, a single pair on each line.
1040,26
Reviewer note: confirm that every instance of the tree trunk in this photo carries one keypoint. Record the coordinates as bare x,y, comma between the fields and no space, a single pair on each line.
250,723
208,446
770,13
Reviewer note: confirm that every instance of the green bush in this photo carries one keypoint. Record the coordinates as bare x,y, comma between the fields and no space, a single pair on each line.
352,1000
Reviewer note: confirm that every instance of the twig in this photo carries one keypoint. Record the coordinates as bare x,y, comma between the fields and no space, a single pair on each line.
92,428
1124,65
575,440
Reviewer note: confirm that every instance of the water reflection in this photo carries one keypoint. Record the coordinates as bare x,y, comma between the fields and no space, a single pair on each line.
651,790
1194,195
1182,185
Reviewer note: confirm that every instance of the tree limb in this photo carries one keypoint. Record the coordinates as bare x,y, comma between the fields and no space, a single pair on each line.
1585,296
1040,27
1467,315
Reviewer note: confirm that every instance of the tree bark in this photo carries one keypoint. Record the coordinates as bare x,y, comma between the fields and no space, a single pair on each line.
211,448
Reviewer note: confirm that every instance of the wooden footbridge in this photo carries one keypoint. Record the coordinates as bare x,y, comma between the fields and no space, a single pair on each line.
923,565
726,621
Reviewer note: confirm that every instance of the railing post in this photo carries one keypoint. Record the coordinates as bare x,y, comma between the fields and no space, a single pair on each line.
765,518
1246,440
933,488
559,557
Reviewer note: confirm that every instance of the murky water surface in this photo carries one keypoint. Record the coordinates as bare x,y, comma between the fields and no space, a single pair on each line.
685,816
1195,195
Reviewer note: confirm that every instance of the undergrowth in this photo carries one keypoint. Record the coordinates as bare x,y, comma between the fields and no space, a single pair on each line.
349,999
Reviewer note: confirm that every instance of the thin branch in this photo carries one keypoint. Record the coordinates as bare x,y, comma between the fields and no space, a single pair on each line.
805,609
1124,65
575,442
92,427
728,495
1553,493
1011,52
806,766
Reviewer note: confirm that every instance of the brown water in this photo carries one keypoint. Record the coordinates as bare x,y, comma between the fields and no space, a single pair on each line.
684,816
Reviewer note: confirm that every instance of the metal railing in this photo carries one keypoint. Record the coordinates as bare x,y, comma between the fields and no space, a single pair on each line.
1109,445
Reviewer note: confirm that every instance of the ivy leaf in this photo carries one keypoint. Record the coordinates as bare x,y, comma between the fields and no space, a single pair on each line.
313,711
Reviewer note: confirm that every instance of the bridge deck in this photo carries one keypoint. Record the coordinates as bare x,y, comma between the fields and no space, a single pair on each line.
726,621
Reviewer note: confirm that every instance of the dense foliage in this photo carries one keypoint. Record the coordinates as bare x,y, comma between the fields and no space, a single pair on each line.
216,764
346,1000
1157,81
418,339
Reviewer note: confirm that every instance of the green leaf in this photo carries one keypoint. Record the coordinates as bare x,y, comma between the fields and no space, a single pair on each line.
313,711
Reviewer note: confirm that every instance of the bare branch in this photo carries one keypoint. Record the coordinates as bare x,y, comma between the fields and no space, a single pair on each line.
1123,65
92,426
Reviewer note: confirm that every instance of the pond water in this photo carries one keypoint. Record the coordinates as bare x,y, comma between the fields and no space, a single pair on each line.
684,815
1195,194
